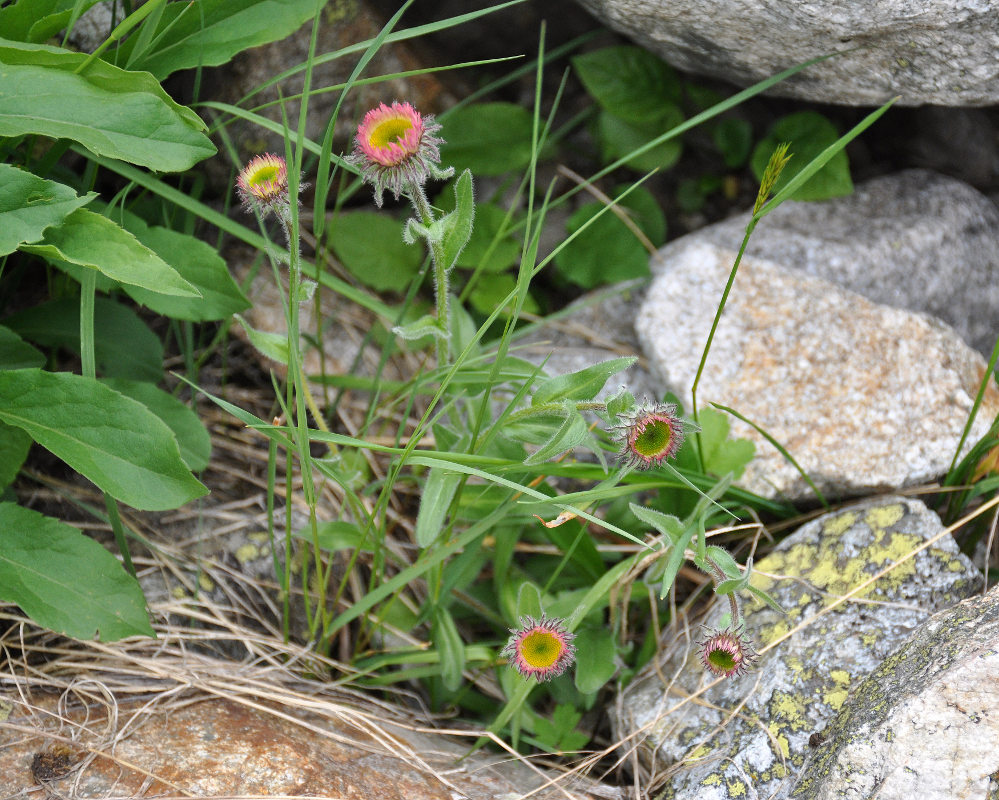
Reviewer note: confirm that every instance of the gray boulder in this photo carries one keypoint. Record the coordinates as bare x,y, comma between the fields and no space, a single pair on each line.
854,583
936,51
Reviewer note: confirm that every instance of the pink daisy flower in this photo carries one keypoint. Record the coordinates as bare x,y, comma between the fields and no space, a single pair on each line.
727,652
542,648
650,435
263,184
397,150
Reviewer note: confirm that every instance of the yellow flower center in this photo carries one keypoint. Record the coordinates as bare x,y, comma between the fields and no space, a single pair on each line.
265,174
541,649
389,131
654,439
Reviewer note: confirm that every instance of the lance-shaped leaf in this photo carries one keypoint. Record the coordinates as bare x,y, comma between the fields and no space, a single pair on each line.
210,32
111,439
110,111
65,580
29,205
90,240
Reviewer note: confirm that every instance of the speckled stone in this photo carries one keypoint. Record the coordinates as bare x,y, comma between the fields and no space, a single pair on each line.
925,723
748,736
865,397
914,239
939,52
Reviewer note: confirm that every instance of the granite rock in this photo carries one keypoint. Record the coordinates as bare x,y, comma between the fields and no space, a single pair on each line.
854,584
933,52
924,723
914,239
867,398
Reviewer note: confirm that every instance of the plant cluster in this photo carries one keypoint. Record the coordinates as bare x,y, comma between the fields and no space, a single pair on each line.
552,520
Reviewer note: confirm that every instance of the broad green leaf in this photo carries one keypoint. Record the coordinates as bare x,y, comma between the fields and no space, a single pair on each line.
65,580
123,115
809,134
14,446
37,20
272,345
448,643
207,33
458,224
720,453
193,440
488,138
734,139
113,440
486,248
559,733
607,251
572,432
629,82
619,138
29,205
336,535
15,353
595,658
370,245
438,491
197,262
583,384
491,290
124,346
93,241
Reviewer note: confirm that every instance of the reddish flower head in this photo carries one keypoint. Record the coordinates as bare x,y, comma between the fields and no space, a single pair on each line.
542,648
650,435
397,150
727,652
263,184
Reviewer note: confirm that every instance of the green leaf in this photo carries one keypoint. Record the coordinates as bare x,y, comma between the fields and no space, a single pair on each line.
721,454
583,384
629,82
420,328
491,290
595,658
123,115
37,20
458,224
487,248
528,601
193,440
196,262
488,138
66,581
113,440
29,205
572,432
14,446
93,241
809,134
370,245
272,345
448,643
559,733
124,346
666,524
335,535
438,491
620,138
607,251
734,140
15,353
210,32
